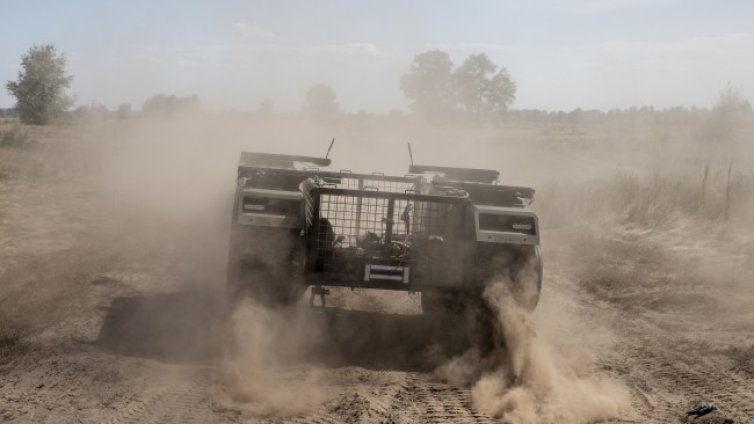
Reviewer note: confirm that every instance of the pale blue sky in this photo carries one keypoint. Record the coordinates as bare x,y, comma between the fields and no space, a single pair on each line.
562,54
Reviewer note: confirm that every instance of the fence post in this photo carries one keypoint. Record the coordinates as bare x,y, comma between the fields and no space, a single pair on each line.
727,190
704,183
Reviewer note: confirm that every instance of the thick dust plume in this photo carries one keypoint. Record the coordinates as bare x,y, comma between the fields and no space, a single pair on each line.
525,380
260,376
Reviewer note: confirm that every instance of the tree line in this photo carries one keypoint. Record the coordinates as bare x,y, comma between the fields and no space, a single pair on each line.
436,89
477,90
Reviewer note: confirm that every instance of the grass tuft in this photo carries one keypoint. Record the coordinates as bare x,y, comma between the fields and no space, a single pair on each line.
15,137
11,344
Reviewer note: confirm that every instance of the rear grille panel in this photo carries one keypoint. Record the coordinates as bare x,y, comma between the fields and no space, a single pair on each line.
422,237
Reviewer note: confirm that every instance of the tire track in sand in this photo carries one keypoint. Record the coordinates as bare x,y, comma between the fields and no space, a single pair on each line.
436,402
184,402
670,379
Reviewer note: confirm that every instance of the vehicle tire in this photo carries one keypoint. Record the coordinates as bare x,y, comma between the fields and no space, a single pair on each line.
483,327
466,318
526,276
264,284
273,279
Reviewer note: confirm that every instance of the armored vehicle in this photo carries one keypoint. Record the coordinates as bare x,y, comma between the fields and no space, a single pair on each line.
444,232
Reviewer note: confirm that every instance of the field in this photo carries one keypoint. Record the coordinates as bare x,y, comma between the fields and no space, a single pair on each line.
113,244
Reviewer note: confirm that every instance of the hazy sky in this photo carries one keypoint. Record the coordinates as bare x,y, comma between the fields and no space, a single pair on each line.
563,54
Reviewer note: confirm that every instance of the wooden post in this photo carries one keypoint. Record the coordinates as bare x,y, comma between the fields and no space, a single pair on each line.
704,184
727,190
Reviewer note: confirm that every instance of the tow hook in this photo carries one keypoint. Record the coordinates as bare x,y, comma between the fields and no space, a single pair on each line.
321,292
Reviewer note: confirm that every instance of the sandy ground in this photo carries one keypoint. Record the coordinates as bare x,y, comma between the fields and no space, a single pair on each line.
102,326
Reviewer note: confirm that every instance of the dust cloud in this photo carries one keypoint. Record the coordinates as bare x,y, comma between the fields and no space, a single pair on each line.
627,223
527,378
259,376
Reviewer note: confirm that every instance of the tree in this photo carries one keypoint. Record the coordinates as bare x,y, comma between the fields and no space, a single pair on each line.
728,117
40,91
482,88
163,104
478,87
266,108
321,102
124,111
428,84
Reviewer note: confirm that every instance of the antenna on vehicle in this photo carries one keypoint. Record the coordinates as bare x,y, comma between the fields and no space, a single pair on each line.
410,154
330,148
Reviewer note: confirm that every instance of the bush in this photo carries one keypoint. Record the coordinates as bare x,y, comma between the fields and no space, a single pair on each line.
15,137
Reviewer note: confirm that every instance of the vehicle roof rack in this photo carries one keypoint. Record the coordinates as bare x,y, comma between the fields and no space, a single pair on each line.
281,161
488,176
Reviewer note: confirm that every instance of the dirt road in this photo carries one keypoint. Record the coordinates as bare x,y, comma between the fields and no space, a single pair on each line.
106,327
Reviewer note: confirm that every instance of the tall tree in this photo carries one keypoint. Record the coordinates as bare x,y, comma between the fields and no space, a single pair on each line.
481,87
428,84
321,102
266,108
728,115
40,90
726,121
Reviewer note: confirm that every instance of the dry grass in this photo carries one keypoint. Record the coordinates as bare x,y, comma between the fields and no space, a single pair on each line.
649,201
42,153
15,136
655,243
662,241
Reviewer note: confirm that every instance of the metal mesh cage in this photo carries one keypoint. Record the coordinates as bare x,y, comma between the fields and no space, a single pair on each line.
389,238
383,224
